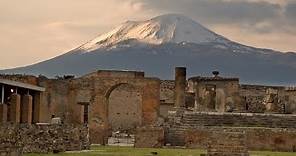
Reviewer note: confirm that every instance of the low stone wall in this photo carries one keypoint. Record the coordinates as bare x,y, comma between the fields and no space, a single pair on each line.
270,139
44,138
149,137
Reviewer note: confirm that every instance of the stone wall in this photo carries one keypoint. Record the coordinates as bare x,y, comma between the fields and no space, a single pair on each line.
272,99
227,143
215,94
167,97
124,109
44,138
195,119
257,139
180,123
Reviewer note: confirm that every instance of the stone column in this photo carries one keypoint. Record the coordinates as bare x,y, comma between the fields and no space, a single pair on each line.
26,109
2,94
37,107
15,108
196,96
180,86
3,113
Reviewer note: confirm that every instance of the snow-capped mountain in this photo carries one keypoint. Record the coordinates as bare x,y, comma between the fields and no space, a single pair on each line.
170,28
157,45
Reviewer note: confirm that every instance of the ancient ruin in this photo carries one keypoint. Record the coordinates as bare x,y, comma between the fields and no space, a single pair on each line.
182,112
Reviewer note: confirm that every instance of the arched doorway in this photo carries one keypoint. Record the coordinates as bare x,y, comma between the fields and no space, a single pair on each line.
124,107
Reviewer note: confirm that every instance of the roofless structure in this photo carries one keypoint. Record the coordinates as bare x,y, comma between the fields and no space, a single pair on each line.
20,102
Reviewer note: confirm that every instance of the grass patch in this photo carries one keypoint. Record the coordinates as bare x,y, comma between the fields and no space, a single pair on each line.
130,151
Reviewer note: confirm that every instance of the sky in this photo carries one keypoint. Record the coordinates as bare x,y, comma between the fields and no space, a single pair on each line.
35,30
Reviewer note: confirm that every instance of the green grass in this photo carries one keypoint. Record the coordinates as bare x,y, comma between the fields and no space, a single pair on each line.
129,151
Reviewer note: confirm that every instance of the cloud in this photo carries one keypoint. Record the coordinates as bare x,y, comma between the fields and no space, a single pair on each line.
254,16
219,11
290,11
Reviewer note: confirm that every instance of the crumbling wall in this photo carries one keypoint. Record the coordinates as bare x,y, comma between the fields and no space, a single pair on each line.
268,99
257,139
44,138
167,97
55,101
216,94
167,91
290,98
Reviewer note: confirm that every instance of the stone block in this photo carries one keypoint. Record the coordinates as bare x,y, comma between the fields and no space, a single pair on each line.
149,137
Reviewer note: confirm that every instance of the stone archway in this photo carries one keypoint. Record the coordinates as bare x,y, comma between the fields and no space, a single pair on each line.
124,107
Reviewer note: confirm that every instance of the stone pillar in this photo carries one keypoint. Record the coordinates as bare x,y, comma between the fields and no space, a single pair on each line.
180,86
2,94
15,108
80,108
196,97
37,107
26,109
3,113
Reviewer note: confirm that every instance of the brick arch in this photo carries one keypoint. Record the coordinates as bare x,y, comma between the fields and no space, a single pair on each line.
124,106
109,91
102,88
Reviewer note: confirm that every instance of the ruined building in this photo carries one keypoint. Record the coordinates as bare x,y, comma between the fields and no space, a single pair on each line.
105,100
181,112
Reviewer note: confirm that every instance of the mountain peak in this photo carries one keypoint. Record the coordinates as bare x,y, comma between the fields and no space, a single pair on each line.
168,28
